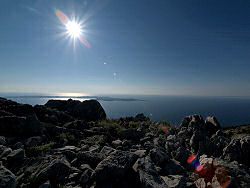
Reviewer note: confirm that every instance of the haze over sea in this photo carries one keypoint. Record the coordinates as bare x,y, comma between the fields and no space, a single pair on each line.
228,110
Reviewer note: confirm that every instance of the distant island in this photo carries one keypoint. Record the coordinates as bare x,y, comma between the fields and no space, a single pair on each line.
99,98
69,143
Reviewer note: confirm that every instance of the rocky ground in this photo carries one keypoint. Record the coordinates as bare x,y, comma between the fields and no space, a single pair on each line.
72,144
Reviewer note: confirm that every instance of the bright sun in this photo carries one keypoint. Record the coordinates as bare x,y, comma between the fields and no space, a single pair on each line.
73,29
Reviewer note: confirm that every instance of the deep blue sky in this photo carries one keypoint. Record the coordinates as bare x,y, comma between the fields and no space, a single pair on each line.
177,47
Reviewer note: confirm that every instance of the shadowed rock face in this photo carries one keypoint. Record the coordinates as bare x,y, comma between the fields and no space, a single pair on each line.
89,110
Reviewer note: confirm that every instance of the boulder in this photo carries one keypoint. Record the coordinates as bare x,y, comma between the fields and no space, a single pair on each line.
4,151
86,174
106,151
7,178
140,153
33,141
117,143
212,125
89,110
91,158
116,166
148,174
159,156
50,168
173,167
53,116
238,150
194,122
2,140
15,157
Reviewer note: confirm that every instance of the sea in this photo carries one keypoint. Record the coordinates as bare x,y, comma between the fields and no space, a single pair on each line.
230,111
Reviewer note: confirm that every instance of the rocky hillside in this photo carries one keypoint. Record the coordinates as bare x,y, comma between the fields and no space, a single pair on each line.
72,144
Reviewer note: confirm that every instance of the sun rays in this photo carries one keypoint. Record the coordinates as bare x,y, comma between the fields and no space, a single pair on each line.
73,29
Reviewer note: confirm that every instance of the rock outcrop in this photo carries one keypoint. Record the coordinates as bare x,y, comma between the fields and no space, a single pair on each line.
71,144
89,110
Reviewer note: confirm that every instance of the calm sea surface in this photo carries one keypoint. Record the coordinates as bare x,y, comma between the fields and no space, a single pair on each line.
228,110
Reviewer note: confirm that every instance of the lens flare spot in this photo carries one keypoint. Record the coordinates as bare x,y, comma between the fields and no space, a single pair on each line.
199,168
191,158
84,41
226,184
62,17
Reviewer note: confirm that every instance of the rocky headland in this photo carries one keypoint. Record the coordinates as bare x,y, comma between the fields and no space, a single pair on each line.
72,144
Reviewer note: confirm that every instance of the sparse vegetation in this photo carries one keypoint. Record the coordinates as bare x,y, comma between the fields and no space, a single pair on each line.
40,150
112,126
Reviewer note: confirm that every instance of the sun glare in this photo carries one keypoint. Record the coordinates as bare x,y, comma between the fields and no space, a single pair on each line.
73,29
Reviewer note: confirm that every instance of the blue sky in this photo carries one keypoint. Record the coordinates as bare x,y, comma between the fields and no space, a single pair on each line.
176,47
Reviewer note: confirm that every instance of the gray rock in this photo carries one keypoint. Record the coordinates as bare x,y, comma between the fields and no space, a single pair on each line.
4,151
194,122
106,151
239,150
2,140
148,174
33,141
159,156
217,144
55,170
114,166
46,185
7,178
182,155
91,158
140,153
117,143
95,148
86,174
212,125
173,167
18,145
15,157
159,142
174,181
